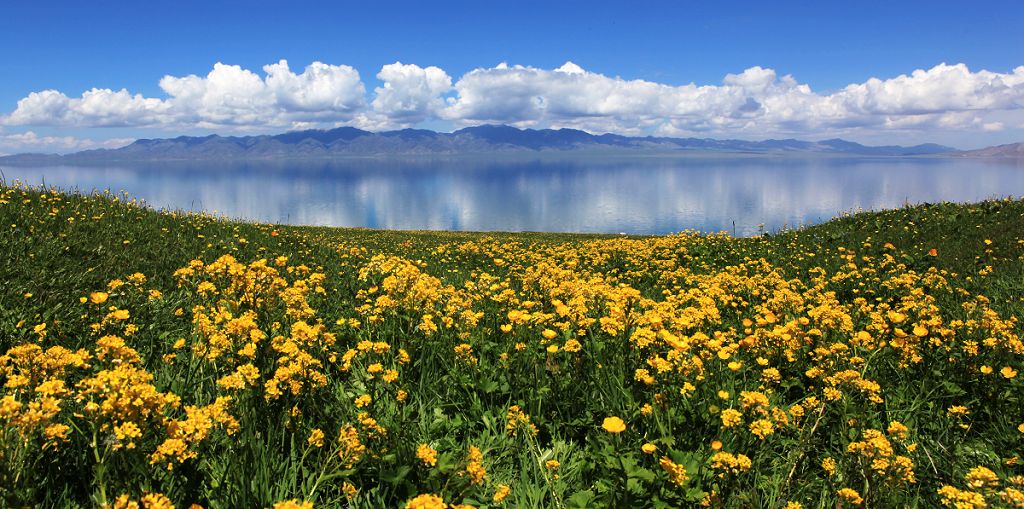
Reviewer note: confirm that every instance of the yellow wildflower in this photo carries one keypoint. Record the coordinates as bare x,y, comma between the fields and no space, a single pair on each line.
613,425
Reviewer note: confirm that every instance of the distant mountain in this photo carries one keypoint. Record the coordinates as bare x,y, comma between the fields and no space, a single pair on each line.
1010,150
484,139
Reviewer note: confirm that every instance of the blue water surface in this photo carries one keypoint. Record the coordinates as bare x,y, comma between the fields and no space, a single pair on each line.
742,194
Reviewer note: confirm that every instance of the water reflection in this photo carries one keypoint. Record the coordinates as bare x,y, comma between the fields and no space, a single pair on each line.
638,195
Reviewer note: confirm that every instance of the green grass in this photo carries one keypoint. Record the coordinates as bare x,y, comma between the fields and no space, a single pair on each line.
58,248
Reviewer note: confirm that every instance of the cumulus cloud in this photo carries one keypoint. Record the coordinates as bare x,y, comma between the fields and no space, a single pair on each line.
228,96
334,91
755,102
940,89
95,108
410,94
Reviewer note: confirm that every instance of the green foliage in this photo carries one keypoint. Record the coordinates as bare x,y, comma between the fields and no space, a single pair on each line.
59,248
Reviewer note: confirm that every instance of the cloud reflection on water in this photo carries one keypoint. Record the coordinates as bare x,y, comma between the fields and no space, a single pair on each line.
638,195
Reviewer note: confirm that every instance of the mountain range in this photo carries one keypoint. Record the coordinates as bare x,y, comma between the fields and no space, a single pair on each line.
1010,150
479,140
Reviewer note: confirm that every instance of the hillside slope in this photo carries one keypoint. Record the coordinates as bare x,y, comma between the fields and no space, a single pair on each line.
180,359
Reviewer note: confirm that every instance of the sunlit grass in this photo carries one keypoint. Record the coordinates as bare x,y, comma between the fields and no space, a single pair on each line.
175,359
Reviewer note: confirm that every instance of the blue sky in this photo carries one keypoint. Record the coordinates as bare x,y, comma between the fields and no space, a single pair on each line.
72,47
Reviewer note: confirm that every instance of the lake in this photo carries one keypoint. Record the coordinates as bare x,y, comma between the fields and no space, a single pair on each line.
585,194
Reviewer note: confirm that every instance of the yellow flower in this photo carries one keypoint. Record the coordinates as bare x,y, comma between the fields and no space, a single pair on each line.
160,501
98,297
501,492
293,504
126,432
1008,372
474,465
762,428
55,432
961,499
981,478
897,429
349,489
351,449
731,417
426,501
829,466
363,401
728,463
850,495
642,375
613,425
316,438
676,472
552,464
649,448
427,454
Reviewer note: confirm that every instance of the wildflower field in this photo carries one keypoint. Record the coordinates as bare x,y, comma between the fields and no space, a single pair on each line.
153,359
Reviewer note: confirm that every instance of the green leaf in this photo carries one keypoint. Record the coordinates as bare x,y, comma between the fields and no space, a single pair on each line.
580,500
694,495
396,476
488,386
642,473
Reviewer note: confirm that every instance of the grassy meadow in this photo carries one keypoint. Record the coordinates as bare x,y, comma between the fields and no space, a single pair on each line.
156,359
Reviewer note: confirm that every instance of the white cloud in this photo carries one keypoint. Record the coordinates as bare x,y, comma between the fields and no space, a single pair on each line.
757,102
40,108
29,141
410,94
321,89
95,108
940,89
228,96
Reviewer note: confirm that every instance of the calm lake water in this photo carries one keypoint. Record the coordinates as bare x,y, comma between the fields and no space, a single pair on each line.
636,195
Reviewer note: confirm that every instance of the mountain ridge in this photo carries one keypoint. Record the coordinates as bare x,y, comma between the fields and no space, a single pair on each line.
483,139
1009,150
